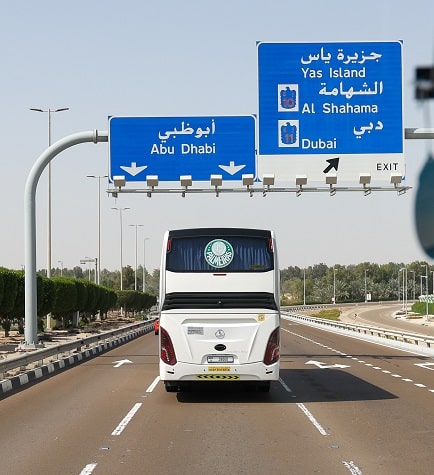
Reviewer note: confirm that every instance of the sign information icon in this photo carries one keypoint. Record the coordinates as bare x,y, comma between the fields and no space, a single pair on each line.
174,146
330,107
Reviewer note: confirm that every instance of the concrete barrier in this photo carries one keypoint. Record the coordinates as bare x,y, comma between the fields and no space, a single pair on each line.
36,364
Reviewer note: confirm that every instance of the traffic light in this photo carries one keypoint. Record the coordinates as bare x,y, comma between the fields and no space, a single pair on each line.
425,82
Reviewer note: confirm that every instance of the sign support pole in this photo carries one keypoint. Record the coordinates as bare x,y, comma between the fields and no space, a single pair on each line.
30,287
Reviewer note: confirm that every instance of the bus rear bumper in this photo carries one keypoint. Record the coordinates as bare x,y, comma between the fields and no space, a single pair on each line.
254,372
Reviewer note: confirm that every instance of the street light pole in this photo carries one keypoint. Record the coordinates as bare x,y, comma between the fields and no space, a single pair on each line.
99,223
49,111
135,259
399,286
144,263
420,285
432,272
427,291
334,285
120,222
366,291
404,289
414,284
87,260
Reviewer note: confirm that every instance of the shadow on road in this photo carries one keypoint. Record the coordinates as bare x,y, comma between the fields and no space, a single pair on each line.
304,385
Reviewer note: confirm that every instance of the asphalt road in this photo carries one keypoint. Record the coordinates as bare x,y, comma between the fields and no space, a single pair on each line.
388,316
343,406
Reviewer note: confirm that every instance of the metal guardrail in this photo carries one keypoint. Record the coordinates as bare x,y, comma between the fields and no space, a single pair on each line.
398,338
38,356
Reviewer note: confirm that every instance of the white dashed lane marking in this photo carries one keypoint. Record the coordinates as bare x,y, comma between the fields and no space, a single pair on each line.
369,365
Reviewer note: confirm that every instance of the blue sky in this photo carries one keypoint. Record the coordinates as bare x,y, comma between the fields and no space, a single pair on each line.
191,58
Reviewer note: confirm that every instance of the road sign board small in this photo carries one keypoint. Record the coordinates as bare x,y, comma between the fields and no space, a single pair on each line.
426,298
330,101
174,146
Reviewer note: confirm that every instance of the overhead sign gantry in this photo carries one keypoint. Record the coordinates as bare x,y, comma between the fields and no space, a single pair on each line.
331,108
128,157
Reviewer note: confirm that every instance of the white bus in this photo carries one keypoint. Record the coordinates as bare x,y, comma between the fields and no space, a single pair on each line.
219,307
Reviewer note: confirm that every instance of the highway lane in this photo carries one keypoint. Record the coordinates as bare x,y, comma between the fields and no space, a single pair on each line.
382,315
52,425
380,406
74,423
370,414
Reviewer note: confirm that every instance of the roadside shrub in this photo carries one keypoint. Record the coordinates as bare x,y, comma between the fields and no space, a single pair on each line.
420,308
46,294
332,314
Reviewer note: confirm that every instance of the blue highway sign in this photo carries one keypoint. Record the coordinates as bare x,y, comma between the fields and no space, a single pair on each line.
325,101
174,146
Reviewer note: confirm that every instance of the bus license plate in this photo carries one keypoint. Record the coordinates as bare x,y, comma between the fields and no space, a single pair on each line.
220,359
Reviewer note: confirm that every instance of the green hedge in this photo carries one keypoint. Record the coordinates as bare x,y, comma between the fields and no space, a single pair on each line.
63,295
420,308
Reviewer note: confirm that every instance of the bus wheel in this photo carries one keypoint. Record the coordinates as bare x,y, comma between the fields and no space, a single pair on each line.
170,387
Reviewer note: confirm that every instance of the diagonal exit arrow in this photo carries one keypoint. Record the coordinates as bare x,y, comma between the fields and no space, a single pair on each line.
321,365
332,163
120,363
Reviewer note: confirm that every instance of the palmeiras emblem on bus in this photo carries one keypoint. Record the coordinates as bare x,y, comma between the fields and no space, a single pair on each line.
218,253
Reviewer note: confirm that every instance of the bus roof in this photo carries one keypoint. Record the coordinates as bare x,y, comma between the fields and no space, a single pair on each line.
219,232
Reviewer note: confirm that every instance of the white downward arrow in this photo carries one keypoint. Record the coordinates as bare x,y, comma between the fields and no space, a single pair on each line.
133,169
325,366
120,363
231,168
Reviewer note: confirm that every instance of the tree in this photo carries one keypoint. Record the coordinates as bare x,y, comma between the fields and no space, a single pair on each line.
293,289
128,276
318,271
322,291
17,311
10,283
46,294
76,272
1,287
135,301
107,299
65,300
153,282
92,296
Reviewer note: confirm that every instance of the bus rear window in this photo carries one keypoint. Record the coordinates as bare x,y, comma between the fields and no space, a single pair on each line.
214,254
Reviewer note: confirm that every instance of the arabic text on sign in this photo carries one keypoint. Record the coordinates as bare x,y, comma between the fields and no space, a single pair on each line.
353,58
187,130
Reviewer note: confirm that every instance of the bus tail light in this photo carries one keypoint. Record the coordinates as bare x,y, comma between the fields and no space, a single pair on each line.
167,350
272,352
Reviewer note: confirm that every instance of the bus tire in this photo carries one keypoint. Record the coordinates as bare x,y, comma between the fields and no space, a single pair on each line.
170,387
